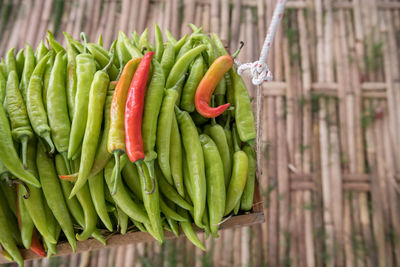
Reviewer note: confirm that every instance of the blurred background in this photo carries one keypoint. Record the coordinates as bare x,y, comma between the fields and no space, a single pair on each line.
331,124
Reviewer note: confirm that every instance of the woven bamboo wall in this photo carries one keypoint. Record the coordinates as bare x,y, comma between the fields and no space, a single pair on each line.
331,123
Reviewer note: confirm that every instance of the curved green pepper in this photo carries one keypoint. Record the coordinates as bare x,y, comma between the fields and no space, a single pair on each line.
34,103
52,192
195,160
215,182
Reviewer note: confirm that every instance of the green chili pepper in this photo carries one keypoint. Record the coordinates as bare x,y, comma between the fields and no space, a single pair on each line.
159,47
105,53
53,228
169,191
239,177
215,182
10,61
189,231
96,185
75,43
85,69
181,65
244,117
170,213
56,46
135,38
46,79
248,193
122,221
168,58
97,97
89,212
176,157
102,154
35,203
73,204
34,103
20,125
132,49
52,192
164,133
228,134
10,193
189,91
20,59
122,52
195,160
25,221
185,48
171,223
3,83
179,44
151,110
57,106
217,133
3,67
122,199
29,66
6,239
132,179
152,205
186,180
41,51
11,210
71,84
144,43
170,37
10,159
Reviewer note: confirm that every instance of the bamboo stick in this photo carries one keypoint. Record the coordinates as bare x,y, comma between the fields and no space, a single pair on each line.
143,15
189,8
235,24
245,246
206,18
237,253
306,140
272,197
225,20
215,16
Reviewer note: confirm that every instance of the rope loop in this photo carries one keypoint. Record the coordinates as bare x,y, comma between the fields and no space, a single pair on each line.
259,70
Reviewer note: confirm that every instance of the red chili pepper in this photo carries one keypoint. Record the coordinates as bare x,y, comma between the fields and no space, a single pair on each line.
36,246
134,110
207,86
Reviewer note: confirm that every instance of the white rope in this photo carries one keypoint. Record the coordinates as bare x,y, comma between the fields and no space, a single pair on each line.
259,69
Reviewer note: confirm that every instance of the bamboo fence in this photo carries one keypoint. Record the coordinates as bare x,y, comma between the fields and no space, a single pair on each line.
331,136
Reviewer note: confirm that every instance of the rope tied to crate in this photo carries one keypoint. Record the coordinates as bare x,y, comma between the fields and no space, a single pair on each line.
259,70
261,73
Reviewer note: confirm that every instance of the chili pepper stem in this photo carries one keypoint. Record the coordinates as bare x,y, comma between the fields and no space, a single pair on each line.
115,174
150,167
19,182
67,163
238,50
24,142
84,38
109,64
48,140
140,167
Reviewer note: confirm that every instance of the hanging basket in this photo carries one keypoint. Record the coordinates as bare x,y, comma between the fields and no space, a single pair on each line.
260,73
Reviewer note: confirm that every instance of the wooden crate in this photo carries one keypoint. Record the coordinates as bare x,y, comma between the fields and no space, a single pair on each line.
256,216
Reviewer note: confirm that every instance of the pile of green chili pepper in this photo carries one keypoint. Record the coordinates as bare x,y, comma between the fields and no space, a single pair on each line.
135,137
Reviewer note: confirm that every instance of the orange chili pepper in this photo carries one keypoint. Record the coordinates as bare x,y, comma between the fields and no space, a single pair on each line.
207,86
116,135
